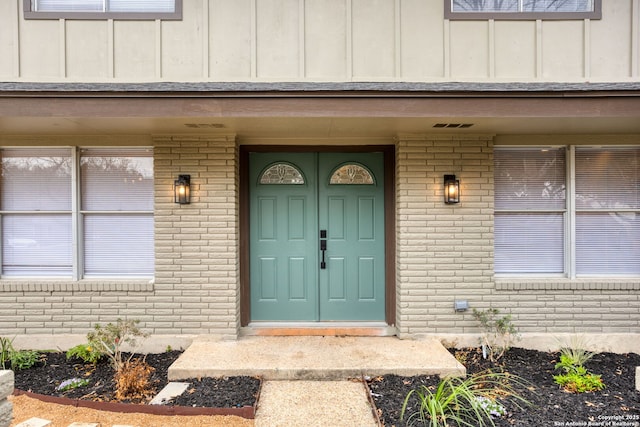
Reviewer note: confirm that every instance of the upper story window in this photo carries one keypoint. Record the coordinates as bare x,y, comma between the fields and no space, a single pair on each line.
523,9
103,9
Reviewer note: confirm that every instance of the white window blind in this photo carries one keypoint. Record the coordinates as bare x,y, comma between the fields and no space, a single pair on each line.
522,6
608,211
117,209
138,6
36,212
530,209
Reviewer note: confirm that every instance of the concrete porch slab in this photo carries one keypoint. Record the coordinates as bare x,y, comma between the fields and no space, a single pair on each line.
313,358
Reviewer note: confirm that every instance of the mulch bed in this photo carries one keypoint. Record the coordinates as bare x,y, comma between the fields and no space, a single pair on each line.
617,405
54,368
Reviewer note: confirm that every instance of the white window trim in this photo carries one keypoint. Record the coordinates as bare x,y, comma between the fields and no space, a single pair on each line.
449,13
30,13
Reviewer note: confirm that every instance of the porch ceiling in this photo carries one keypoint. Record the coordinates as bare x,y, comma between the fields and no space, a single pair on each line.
319,114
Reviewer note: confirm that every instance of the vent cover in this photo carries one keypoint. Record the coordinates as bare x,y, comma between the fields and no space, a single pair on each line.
453,125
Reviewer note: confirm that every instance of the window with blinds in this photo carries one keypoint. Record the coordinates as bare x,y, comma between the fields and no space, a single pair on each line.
530,208
533,222
113,204
607,211
97,9
523,9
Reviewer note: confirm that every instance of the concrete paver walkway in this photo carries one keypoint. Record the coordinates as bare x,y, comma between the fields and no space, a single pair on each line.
314,404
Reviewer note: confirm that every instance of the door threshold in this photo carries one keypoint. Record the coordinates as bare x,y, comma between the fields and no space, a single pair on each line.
352,329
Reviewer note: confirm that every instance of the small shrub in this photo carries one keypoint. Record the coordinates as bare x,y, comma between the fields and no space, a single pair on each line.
579,382
498,332
10,358
467,401
72,383
133,380
109,340
23,359
86,352
576,378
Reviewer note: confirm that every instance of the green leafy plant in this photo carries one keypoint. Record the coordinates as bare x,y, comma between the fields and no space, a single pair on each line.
86,352
498,332
10,358
24,359
576,378
579,381
6,347
109,340
72,383
470,401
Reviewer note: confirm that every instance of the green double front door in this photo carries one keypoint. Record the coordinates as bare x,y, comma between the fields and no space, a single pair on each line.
317,237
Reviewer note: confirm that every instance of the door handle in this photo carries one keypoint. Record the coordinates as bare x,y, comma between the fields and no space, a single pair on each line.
323,248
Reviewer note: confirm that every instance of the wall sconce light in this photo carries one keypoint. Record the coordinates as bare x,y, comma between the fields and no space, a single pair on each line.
182,189
451,189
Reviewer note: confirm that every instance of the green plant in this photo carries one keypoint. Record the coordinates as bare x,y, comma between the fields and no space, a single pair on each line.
579,381
498,332
470,401
576,378
72,383
109,340
574,354
6,347
24,359
86,352
10,358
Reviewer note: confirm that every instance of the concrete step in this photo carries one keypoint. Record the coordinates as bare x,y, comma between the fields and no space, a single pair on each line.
313,358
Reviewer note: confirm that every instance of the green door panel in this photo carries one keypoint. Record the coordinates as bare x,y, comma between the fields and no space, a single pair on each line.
352,287
287,281
283,242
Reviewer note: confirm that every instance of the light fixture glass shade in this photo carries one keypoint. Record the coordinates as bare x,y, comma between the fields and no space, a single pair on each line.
451,189
182,190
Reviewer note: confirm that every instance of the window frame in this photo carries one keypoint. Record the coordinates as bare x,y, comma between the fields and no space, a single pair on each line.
570,216
565,212
29,13
78,213
450,14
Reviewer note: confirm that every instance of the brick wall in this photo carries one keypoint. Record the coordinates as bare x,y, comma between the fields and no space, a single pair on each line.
197,271
445,252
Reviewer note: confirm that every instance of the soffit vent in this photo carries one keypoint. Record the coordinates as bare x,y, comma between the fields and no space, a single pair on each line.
204,125
453,125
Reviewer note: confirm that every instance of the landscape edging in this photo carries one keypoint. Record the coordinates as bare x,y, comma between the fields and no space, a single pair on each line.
247,412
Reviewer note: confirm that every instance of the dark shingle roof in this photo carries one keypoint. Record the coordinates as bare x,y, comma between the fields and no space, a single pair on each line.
379,88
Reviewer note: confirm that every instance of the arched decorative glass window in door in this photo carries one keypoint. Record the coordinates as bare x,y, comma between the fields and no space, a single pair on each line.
352,173
282,173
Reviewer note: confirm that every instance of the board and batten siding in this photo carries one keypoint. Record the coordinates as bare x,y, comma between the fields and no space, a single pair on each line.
320,40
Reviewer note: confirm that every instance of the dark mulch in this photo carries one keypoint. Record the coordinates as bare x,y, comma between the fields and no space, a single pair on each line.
54,368
617,405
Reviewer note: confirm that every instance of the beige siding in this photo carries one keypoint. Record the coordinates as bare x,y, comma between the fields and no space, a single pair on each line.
278,47
230,39
611,49
326,35
87,50
134,50
515,50
314,40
